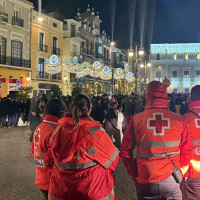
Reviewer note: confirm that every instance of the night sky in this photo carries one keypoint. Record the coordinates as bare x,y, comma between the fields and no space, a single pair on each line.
176,21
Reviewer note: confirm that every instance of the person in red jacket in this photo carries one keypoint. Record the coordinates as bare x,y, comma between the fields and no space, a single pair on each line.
162,145
84,156
192,121
40,144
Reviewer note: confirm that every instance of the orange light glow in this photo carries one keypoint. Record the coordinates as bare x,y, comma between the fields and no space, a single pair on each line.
184,169
195,164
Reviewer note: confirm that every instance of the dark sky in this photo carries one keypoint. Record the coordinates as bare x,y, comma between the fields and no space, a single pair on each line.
176,21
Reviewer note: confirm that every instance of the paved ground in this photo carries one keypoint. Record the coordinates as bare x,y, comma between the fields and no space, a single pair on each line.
17,169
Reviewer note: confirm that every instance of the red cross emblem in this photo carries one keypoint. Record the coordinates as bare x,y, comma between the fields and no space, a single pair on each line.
158,123
37,138
197,122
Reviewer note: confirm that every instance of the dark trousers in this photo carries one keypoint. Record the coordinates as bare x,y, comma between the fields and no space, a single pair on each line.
166,189
192,187
45,193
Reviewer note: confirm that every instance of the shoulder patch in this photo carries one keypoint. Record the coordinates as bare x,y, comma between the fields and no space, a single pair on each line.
92,130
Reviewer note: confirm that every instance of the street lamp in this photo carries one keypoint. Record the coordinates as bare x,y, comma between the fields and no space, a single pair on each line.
130,53
40,19
112,43
64,78
141,51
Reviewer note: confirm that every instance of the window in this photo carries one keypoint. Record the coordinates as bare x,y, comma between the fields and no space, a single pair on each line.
186,56
41,64
55,25
55,40
157,56
174,56
64,25
40,72
198,73
158,74
16,49
41,41
186,73
16,14
174,74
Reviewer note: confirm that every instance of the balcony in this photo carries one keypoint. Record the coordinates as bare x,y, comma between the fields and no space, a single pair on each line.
3,17
55,51
43,48
18,62
56,77
17,21
42,75
84,50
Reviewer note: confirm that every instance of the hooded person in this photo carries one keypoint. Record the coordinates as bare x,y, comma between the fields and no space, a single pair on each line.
163,148
192,121
84,156
40,148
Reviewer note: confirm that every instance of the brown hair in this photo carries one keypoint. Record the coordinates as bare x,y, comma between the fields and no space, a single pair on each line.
80,107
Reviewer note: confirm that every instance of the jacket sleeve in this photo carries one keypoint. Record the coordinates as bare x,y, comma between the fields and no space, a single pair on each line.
126,151
32,147
186,150
107,154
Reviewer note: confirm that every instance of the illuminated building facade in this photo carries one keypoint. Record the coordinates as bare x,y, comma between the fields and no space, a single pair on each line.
15,42
180,63
47,40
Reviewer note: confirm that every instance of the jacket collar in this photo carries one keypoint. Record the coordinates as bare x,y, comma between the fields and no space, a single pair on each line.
194,105
50,119
157,103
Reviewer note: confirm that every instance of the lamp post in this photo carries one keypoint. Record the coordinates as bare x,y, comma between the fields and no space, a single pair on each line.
134,53
112,67
145,66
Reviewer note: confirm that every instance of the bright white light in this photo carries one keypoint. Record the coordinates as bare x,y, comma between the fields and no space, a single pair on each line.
130,54
141,65
141,52
112,43
28,79
40,19
65,78
148,64
159,67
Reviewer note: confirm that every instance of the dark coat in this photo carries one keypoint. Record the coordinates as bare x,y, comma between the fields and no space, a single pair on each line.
110,126
98,113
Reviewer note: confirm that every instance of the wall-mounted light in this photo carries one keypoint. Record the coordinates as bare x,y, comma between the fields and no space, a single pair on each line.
28,78
64,78
40,19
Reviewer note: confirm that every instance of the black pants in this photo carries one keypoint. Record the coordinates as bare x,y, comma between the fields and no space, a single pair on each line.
45,193
166,189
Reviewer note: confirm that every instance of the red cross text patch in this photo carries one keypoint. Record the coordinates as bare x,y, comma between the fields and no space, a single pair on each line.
197,122
158,123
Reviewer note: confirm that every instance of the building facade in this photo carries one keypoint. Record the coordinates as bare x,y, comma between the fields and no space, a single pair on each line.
180,63
47,40
15,44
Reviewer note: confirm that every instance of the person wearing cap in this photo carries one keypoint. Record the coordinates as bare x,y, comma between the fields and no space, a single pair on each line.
163,147
192,121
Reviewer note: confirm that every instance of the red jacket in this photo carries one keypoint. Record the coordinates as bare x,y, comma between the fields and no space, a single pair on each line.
84,161
40,151
193,125
158,135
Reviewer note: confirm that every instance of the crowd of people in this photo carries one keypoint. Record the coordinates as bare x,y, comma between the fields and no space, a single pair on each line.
77,142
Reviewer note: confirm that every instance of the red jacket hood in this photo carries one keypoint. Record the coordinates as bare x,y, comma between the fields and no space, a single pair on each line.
194,105
67,140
